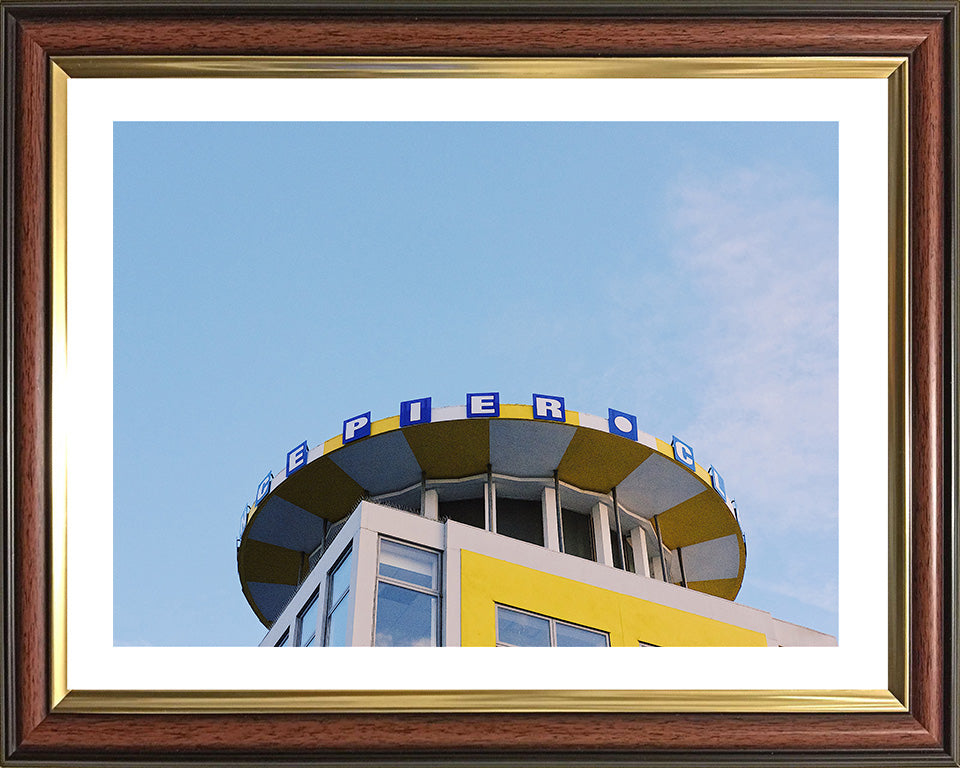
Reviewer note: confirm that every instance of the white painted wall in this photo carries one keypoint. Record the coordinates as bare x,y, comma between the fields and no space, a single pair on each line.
551,530
370,521
600,518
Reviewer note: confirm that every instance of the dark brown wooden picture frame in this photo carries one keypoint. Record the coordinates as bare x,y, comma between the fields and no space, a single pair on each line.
33,33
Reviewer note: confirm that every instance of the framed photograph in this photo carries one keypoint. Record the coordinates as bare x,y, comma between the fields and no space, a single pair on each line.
179,179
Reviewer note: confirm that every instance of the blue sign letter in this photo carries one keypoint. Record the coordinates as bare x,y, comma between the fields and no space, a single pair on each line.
483,404
357,427
684,454
623,424
549,407
297,458
264,488
415,411
718,483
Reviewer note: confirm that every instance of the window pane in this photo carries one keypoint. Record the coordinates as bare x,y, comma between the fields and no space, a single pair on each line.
569,636
415,566
337,625
520,519
577,534
405,617
307,622
517,628
627,551
340,579
466,511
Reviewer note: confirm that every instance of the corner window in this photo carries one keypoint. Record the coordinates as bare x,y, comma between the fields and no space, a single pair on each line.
284,639
407,611
307,622
519,628
338,603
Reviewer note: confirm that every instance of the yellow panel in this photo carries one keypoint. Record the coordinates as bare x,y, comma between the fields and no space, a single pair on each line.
322,488
259,561
510,411
727,588
700,518
385,425
447,449
377,428
665,448
487,581
597,461
573,417
703,475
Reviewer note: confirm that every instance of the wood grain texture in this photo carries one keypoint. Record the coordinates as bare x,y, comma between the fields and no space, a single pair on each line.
489,37
927,314
594,738
302,735
31,489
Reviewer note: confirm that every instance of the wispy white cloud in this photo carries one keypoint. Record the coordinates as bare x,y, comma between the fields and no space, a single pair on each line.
738,318
763,250
819,594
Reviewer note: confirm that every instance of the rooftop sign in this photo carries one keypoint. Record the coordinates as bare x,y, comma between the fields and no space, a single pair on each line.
486,405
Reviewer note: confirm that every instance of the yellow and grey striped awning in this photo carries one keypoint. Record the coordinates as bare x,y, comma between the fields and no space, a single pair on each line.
288,523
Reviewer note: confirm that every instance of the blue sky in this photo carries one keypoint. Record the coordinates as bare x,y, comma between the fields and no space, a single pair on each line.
273,279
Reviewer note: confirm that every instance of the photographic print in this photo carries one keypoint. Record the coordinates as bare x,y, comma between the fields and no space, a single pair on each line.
276,283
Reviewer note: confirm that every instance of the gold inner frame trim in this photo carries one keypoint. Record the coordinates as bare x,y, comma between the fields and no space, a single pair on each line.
893,69
235,702
428,66
58,372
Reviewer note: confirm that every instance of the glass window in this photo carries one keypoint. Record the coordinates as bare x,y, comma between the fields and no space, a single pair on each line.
577,534
405,617
338,603
284,639
408,564
466,511
307,622
519,628
516,628
520,519
570,636
407,611
627,552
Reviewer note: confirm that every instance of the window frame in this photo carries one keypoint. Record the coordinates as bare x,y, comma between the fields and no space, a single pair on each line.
313,600
437,593
552,622
330,606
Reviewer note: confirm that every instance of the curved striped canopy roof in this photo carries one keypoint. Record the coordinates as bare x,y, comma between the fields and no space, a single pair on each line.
288,523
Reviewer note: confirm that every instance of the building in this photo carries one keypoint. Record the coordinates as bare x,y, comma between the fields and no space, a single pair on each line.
487,524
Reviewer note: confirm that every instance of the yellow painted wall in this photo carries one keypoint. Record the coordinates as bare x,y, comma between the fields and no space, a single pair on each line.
487,581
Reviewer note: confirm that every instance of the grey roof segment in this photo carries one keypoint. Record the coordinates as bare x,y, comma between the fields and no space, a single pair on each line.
286,525
657,485
528,448
271,599
380,463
